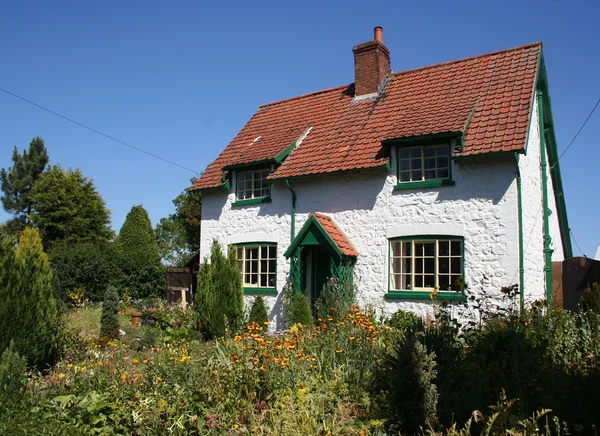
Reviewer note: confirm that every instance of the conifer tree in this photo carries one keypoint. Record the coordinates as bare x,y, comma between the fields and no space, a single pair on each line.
109,321
17,182
220,296
258,312
29,317
300,312
137,252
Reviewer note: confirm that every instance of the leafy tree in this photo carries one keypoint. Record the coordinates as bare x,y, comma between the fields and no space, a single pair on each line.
28,313
67,207
220,296
137,254
178,235
109,321
87,267
17,182
258,312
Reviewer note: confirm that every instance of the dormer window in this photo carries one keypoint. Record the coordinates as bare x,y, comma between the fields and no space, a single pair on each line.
252,186
416,164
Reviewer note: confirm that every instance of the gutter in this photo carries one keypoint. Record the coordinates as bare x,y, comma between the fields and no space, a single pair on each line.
521,242
294,198
544,165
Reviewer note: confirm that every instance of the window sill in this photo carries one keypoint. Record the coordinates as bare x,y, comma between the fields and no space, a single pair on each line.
262,291
425,295
251,201
424,184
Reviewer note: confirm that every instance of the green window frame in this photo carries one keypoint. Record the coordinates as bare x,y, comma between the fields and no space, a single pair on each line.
252,185
258,267
421,264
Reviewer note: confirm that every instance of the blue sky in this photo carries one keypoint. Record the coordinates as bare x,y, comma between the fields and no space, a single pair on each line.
181,79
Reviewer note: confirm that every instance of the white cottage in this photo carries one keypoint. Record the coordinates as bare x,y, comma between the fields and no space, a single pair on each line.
403,181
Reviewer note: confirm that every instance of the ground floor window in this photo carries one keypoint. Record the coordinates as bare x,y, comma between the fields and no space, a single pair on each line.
422,264
258,265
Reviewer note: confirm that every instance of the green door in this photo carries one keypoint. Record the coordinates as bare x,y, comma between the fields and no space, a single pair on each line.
320,272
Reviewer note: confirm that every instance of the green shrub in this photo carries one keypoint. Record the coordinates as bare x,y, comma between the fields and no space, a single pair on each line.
258,312
89,267
590,300
12,374
335,301
405,320
220,296
406,378
300,312
28,313
109,321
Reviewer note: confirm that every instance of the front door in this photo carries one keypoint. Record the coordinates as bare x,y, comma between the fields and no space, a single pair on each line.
320,272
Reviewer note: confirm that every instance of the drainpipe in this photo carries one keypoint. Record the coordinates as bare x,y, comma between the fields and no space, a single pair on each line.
293,231
547,238
521,244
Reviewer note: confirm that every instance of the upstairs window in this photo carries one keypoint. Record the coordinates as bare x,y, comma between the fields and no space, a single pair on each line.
418,164
253,184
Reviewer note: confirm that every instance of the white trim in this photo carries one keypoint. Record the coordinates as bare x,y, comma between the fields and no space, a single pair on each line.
446,229
257,237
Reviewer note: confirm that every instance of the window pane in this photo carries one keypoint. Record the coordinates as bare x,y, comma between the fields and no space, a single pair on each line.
254,279
430,265
404,165
263,252
272,266
429,281
429,248
272,254
396,249
442,174
418,281
455,264
419,266
430,163
419,248
444,282
429,151
415,152
444,266
271,281
405,177
442,162
416,176
407,265
444,248
416,164
456,248
429,174
263,266
403,154
406,248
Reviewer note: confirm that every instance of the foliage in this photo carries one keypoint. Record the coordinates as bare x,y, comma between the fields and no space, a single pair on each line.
406,377
16,182
109,322
300,312
258,312
404,320
28,313
12,374
220,296
67,207
142,274
178,235
590,300
85,270
336,299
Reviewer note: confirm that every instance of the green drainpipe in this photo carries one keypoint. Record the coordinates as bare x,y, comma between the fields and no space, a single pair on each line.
547,238
293,231
521,244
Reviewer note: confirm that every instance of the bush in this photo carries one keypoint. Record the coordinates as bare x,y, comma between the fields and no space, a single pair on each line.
258,312
590,300
12,374
300,312
28,313
335,301
405,321
220,296
109,321
84,268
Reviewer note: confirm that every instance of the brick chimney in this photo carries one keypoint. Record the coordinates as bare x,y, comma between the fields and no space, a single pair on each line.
371,64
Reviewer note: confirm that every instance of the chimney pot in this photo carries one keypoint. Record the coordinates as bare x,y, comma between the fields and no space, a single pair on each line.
378,34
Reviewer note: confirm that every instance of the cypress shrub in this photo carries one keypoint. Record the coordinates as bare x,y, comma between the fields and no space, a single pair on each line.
258,312
109,321
28,313
142,274
300,312
12,374
220,296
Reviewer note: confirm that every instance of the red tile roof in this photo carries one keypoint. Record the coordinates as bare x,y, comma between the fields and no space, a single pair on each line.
488,98
340,239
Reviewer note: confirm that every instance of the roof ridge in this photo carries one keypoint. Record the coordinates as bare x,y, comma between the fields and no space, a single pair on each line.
469,58
322,91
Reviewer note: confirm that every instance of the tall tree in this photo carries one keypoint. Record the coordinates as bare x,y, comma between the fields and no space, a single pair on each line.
28,313
67,207
178,235
18,181
138,257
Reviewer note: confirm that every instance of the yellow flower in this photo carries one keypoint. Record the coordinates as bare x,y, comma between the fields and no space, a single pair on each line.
235,426
145,360
301,390
70,365
159,378
100,364
135,361
61,375
339,351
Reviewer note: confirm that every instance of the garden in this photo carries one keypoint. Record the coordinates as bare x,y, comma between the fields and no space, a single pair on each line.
212,368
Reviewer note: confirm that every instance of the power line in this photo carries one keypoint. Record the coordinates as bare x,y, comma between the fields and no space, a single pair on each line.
577,134
97,131
575,240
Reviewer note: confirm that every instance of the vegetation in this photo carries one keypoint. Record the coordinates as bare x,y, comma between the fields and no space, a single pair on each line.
300,312
28,313
17,182
68,208
220,296
109,322
142,274
178,235
258,312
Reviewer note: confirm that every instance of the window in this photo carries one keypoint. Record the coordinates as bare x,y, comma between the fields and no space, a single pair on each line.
424,264
417,164
253,184
258,265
